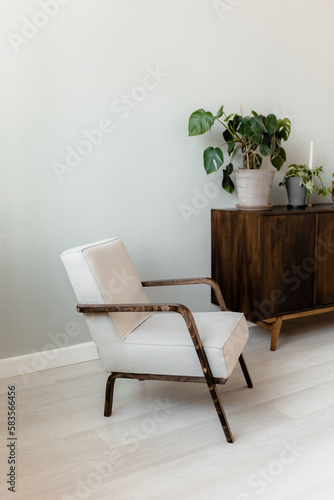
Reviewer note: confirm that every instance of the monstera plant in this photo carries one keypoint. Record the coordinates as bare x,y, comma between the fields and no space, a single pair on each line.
255,136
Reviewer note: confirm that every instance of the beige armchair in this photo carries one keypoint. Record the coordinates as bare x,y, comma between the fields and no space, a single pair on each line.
148,341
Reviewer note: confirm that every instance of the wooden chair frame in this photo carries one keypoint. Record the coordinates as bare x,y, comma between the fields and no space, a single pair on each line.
194,334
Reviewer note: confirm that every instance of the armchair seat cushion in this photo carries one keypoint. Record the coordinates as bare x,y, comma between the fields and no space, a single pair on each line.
162,345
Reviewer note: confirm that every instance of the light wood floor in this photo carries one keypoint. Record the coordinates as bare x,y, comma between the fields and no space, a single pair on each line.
164,440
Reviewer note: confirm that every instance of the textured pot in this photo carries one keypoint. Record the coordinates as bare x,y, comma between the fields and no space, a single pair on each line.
296,192
253,187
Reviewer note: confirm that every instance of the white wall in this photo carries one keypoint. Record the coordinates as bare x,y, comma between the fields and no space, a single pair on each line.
66,76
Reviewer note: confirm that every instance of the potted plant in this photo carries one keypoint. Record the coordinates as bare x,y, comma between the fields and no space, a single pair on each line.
300,182
255,137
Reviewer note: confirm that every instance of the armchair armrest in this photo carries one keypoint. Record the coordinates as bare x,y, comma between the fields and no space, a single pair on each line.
113,308
191,281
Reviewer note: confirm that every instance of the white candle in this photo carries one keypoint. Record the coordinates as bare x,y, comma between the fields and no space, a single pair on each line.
311,156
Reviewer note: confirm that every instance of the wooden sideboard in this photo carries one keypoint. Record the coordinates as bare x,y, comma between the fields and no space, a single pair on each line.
274,265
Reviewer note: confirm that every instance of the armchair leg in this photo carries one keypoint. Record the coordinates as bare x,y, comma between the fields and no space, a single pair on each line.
109,394
221,413
245,371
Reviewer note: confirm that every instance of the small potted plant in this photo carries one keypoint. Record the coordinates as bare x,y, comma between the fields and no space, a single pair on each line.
300,182
255,136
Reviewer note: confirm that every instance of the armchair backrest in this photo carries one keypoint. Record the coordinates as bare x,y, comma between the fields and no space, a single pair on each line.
103,273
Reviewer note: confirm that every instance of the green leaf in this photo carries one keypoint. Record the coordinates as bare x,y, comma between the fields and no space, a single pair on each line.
252,130
275,145
230,147
227,136
200,122
261,122
271,123
235,151
265,150
213,159
284,128
278,160
220,112
227,182
240,127
229,168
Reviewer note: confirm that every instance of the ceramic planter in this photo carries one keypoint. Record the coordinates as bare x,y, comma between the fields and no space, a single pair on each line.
254,187
296,192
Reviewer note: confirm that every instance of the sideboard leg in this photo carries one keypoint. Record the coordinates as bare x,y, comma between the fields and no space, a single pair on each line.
275,331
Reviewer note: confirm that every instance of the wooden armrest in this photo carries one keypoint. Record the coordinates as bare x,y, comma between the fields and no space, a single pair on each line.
113,308
191,281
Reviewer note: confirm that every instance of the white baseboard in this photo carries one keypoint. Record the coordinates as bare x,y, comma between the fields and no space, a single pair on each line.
44,360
